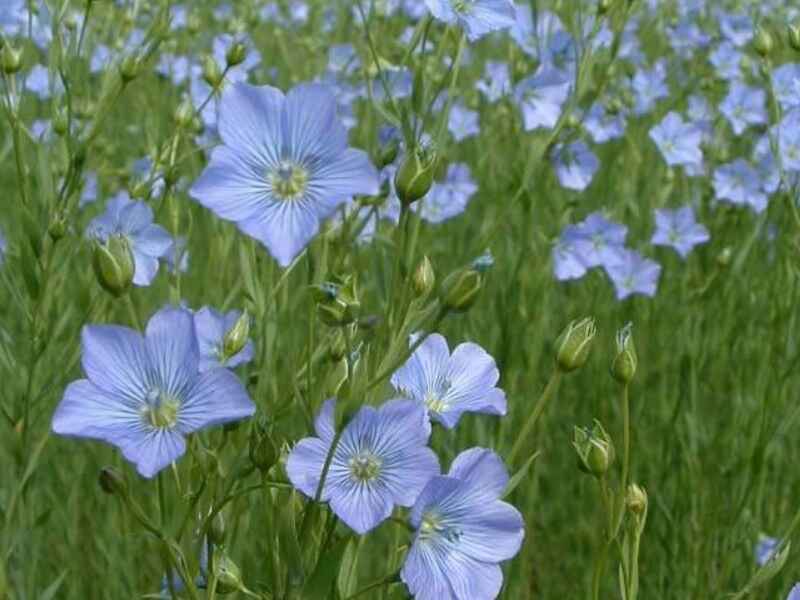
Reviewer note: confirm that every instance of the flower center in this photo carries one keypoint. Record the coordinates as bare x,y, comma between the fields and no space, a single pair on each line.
433,526
436,399
364,466
288,180
160,409
462,6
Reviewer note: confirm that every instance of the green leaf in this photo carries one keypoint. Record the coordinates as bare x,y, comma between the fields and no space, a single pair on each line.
319,585
53,588
348,569
519,475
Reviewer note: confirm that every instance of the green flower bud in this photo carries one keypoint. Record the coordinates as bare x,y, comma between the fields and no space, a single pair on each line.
57,228
424,278
112,482
184,114
113,264
623,367
227,573
574,344
216,529
603,6
724,257
595,449
793,36
129,68
763,43
211,72
337,301
10,59
388,146
236,54
263,451
415,176
460,289
237,336
636,499
60,123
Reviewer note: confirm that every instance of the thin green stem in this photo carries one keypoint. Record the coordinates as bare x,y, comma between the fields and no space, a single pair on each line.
538,410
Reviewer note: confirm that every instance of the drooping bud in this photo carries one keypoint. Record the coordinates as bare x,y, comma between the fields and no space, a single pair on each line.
763,43
636,499
113,264
623,367
11,59
129,68
236,54
216,529
424,278
415,176
337,300
595,449
574,343
263,451
460,289
112,482
212,74
237,336
793,36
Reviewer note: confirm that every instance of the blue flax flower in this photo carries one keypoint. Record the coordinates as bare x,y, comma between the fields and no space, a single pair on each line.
744,106
567,261
765,549
541,97
448,385
794,593
134,221
144,393
381,460
463,530
634,274
739,183
575,165
448,198
679,230
786,82
678,141
284,166
476,17
211,327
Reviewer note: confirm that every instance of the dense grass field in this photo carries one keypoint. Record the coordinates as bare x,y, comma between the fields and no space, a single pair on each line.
559,240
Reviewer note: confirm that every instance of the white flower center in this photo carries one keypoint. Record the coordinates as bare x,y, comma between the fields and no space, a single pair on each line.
289,181
160,409
434,526
364,466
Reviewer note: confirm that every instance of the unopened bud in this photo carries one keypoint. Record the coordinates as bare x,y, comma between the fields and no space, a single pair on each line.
184,114
415,176
227,573
236,54
636,499
595,449
11,59
388,145
112,482
216,529
129,68
724,257
424,278
337,300
574,343
763,42
60,123
113,264
460,289
603,6
793,36
57,228
211,72
623,367
237,336
264,453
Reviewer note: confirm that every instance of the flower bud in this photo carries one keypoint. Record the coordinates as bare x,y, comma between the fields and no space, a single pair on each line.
574,344
595,449
793,36
112,482
10,59
211,72
337,301
603,6
216,529
763,43
60,123
184,114
636,499
388,145
263,451
236,54
623,367
227,573
724,257
424,278
237,336
129,68
460,289
113,264
415,176
57,228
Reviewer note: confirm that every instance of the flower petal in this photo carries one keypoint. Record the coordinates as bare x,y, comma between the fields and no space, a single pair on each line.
216,397
155,450
115,360
250,121
172,350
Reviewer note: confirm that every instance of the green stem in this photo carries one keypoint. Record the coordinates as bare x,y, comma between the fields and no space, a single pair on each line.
372,586
527,429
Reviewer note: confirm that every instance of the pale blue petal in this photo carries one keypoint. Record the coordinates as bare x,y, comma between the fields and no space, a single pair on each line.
216,397
115,360
172,350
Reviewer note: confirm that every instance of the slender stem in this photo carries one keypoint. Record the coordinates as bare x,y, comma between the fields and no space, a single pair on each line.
372,586
626,436
527,429
134,314
605,542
